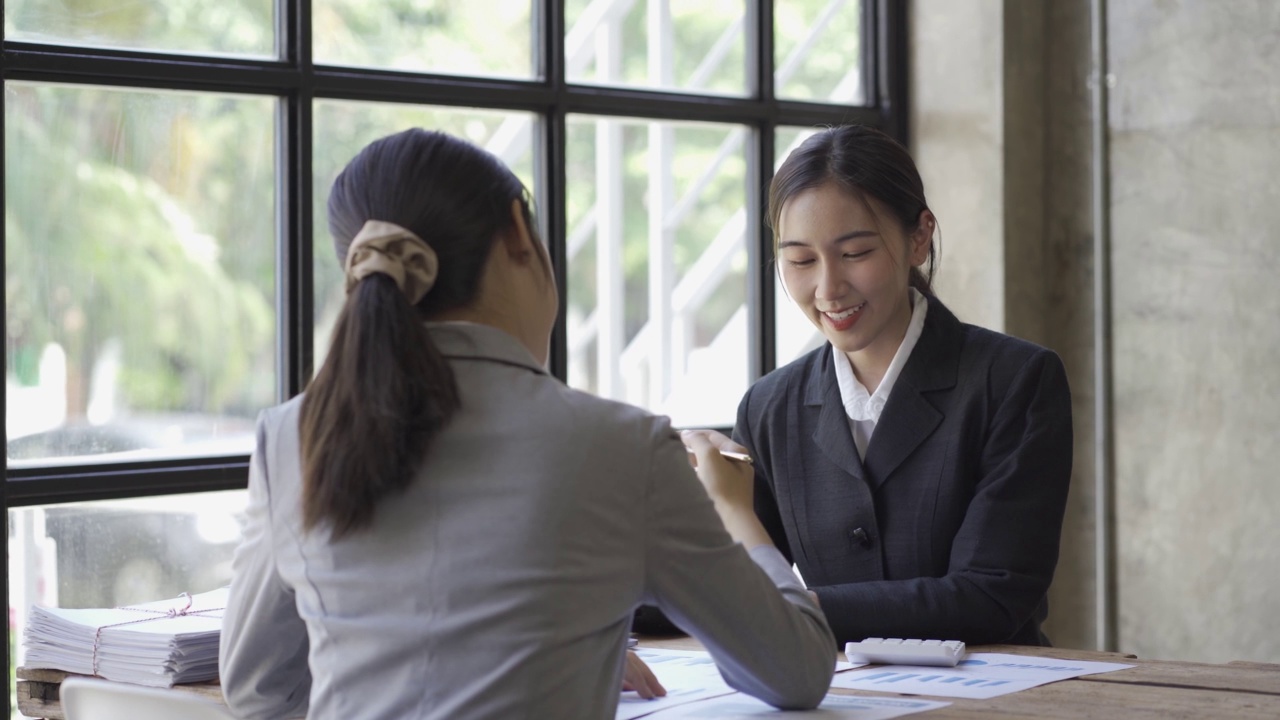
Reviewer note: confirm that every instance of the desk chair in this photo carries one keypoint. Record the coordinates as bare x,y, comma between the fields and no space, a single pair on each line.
91,699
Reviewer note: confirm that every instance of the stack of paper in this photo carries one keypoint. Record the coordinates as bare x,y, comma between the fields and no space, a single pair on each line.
158,643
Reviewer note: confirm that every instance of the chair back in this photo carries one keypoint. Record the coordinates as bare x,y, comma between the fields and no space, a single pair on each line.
86,698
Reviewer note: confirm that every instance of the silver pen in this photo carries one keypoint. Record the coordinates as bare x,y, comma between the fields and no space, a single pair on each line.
740,457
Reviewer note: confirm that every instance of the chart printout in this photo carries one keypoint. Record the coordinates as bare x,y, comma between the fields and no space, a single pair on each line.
687,676
978,676
833,707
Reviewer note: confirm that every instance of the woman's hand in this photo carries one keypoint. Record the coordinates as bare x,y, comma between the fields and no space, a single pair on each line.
729,483
638,677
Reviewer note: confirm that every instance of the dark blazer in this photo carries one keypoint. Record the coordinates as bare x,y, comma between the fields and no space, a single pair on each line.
949,527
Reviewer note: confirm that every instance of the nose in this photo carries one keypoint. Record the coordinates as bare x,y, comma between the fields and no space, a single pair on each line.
831,284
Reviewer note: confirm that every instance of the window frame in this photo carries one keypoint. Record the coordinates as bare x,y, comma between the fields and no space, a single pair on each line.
296,81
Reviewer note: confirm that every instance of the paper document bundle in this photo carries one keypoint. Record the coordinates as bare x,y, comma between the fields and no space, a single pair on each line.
158,643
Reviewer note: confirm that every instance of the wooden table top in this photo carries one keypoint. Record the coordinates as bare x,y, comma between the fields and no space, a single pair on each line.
1155,689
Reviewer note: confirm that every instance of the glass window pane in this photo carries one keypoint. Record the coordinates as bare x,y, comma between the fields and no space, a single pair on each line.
817,50
687,45
657,265
140,272
794,335
225,27
119,552
492,39
343,128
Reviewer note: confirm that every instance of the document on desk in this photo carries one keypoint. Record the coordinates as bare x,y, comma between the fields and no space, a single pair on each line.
688,676
978,676
833,707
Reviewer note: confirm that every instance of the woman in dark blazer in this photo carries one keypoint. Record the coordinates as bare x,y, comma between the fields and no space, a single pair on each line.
914,468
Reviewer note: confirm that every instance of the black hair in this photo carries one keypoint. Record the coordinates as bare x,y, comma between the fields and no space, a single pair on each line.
385,391
865,162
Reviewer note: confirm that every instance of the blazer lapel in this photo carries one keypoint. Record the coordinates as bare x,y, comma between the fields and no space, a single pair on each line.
909,418
831,433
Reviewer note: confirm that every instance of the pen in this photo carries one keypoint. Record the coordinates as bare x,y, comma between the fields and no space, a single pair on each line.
740,457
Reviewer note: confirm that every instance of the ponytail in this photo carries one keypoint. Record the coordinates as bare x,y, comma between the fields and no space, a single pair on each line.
385,393
369,415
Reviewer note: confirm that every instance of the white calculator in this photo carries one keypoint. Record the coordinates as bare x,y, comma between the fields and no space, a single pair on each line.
896,651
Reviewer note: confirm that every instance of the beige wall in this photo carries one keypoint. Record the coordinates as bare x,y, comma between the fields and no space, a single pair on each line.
1001,129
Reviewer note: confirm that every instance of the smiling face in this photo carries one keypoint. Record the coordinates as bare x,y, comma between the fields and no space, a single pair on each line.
845,261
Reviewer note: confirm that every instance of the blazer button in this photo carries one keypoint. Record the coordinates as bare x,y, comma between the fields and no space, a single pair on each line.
860,536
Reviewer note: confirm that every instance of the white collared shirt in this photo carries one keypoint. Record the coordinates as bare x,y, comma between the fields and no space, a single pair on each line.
862,407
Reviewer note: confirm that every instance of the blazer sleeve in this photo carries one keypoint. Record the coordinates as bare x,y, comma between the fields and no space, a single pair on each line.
262,657
1004,554
765,633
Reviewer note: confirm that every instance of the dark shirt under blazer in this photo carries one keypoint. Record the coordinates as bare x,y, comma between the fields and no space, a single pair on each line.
949,527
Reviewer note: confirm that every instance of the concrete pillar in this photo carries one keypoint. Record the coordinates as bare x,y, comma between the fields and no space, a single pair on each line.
1001,120
1195,204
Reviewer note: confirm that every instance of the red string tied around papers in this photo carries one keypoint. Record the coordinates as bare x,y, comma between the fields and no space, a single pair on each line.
160,615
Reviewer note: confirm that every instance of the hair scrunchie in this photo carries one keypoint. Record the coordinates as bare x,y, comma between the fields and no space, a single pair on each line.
387,248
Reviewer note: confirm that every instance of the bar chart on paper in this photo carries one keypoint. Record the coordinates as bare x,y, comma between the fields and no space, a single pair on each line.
937,684
833,707
978,676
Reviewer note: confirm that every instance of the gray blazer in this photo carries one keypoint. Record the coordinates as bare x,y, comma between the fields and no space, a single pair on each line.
949,527
502,582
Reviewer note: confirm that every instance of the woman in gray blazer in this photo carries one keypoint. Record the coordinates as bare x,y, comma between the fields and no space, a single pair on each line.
438,528
914,468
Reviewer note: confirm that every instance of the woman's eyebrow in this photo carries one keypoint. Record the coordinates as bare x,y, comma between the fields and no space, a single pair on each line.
854,235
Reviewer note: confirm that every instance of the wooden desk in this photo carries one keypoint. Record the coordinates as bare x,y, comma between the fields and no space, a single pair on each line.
1155,689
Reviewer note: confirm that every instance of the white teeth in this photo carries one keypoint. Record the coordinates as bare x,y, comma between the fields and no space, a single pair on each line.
846,314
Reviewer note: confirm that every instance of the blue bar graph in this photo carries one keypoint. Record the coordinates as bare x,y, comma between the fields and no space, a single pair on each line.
887,678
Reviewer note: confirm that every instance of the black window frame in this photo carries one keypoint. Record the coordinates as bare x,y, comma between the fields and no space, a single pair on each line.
296,81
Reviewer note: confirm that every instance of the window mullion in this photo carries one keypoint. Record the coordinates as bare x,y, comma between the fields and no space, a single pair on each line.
888,56
552,178
294,282
760,289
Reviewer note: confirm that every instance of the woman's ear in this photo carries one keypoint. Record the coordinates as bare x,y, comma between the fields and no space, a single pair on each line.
921,241
520,241
530,244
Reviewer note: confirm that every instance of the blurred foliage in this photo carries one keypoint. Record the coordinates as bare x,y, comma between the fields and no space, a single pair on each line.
834,52
228,27
128,220
696,27
461,37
